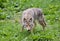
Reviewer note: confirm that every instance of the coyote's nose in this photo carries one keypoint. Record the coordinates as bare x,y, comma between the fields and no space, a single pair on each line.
28,30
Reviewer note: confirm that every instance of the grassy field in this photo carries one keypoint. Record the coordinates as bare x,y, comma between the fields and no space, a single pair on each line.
10,15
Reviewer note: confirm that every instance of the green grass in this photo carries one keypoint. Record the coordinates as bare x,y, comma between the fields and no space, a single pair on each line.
10,17
10,31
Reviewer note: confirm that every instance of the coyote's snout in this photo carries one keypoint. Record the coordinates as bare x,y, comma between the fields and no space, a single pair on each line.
29,16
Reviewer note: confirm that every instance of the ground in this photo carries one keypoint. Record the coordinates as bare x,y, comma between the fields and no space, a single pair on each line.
10,17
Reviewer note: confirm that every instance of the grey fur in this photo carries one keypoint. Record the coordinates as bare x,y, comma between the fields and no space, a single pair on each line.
35,14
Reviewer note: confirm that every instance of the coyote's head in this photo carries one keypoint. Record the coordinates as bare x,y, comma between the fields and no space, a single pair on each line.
28,22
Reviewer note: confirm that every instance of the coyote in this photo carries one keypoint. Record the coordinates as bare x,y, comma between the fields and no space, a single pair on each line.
29,16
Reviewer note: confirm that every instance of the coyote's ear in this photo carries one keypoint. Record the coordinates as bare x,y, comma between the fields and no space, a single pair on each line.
24,19
30,18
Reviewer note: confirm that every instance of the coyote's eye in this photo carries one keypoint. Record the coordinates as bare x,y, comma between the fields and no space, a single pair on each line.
31,25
